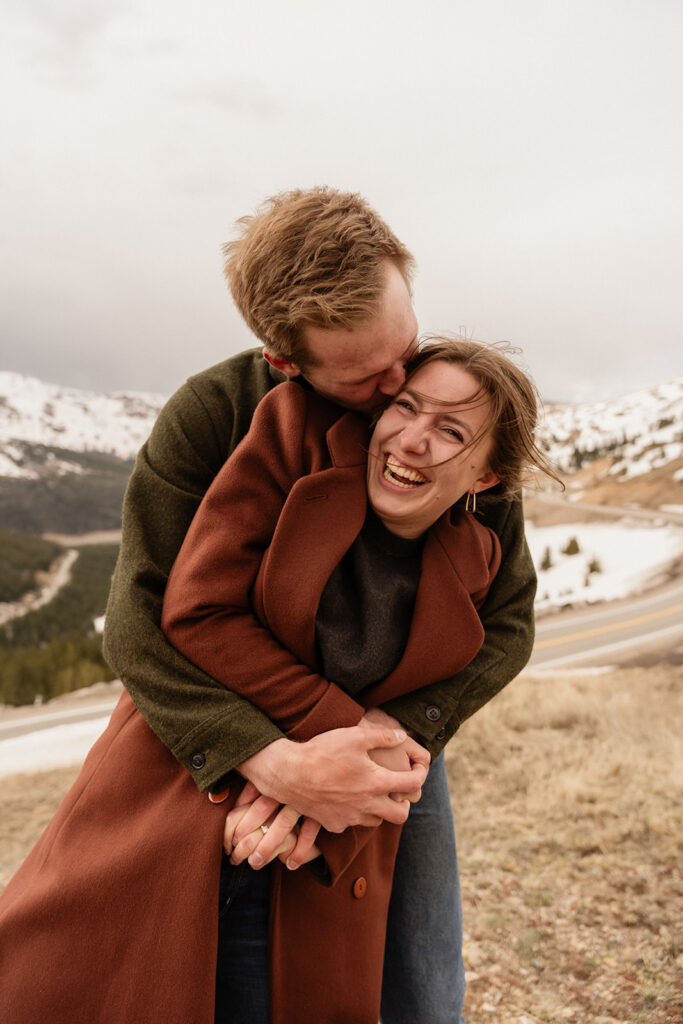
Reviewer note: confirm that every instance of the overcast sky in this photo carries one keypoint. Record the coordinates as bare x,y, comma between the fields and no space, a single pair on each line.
530,153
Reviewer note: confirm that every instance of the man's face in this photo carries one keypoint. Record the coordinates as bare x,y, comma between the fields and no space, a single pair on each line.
360,367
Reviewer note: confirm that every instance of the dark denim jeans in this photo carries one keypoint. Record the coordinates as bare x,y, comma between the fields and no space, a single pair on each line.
242,965
424,977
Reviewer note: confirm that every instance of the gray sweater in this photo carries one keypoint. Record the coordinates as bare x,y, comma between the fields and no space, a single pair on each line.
366,608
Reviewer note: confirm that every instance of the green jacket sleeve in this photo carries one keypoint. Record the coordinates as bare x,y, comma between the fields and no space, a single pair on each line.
209,729
436,712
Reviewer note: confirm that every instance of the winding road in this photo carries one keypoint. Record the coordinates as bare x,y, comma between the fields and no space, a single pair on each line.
604,633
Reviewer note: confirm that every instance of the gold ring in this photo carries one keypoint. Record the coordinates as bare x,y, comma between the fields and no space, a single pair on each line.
264,828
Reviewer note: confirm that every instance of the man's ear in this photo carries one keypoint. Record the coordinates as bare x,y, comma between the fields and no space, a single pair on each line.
283,365
488,479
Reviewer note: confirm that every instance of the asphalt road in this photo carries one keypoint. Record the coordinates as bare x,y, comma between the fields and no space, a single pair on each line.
606,632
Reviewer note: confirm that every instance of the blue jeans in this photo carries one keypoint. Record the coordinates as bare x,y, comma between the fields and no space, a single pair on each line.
242,964
424,974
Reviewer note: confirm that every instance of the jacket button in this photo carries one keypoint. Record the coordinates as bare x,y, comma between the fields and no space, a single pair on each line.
433,713
219,798
441,735
360,887
198,761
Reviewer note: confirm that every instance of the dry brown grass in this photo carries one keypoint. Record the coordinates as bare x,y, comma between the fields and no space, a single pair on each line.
27,802
567,796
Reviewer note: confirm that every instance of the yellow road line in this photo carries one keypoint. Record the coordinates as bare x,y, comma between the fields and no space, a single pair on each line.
607,629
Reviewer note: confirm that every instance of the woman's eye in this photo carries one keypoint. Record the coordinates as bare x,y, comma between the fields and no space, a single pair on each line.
455,434
403,403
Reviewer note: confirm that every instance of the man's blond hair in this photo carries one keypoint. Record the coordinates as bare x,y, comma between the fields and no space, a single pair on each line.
314,257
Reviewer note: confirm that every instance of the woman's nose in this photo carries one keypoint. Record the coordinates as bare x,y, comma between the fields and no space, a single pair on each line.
392,379
413,437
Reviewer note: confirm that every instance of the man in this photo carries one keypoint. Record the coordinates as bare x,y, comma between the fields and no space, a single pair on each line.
325,286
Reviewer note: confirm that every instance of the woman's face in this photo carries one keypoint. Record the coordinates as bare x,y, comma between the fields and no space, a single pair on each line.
418,466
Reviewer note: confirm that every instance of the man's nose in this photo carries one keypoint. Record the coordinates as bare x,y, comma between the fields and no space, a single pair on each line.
391,381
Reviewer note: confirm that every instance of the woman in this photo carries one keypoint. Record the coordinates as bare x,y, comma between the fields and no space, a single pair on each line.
148,857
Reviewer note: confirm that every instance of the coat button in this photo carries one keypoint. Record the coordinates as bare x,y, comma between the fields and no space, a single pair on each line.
198,761
219,798
360,887
441,735
433,712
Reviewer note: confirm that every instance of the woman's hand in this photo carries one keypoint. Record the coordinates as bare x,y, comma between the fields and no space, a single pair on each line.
287,837
398,759
311,854
251,810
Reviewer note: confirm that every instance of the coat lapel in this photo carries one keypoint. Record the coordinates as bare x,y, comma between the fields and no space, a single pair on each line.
321,518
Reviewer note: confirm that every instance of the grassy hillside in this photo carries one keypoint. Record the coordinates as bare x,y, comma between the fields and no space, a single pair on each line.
55,649
568,803
21,557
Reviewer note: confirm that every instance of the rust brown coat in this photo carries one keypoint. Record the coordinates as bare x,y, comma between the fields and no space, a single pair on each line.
112,917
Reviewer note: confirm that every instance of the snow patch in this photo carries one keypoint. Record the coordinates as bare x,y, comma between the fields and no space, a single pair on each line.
623,560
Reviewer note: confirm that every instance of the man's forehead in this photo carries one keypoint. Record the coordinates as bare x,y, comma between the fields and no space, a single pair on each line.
365,359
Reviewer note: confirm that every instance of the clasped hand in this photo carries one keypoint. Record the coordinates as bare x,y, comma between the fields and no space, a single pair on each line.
259,828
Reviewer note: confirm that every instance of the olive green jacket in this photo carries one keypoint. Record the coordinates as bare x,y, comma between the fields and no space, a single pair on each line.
209,729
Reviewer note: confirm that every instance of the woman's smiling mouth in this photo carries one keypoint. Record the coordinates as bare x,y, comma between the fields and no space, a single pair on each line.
402,476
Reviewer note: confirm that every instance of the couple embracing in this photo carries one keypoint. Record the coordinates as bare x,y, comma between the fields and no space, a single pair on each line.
311,596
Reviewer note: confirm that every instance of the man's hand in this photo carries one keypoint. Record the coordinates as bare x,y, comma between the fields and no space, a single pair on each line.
332,778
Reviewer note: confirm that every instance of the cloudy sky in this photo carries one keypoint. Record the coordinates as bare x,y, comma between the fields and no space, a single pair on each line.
529,153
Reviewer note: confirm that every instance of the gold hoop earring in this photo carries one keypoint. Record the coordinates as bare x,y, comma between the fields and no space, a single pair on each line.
471,506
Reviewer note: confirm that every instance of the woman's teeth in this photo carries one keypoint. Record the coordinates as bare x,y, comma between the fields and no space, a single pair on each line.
401,476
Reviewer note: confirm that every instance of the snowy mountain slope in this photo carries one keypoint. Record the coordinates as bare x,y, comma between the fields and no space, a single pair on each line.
638,433
40,424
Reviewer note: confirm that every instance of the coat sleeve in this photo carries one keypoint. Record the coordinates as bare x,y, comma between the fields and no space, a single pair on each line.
190,712
507,614
208,614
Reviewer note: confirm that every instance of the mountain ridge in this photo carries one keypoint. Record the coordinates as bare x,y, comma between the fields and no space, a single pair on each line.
66,453
58,418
